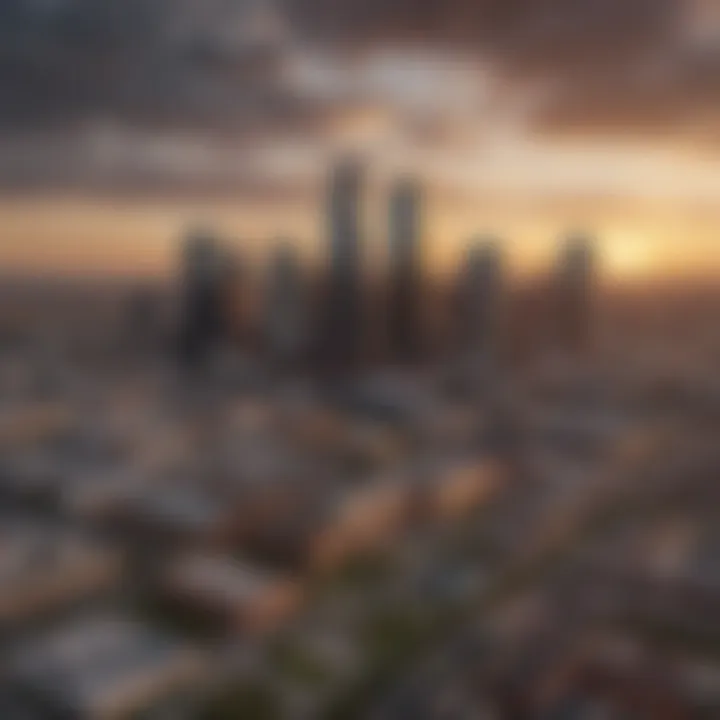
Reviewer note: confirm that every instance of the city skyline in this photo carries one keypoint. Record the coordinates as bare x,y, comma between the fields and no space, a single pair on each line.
76,239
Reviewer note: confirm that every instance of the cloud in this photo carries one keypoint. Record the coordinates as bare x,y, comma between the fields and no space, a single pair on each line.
247,71
610,66
141,61
216,62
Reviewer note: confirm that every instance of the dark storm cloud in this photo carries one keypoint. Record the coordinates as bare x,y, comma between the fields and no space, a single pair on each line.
152,62
613,65
172,79
179,61
549,29
216,67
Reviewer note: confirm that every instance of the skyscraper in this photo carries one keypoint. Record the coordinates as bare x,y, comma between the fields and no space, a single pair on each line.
232,293
480,295
285,308
342,334
143,329
202,318
405,292
575,283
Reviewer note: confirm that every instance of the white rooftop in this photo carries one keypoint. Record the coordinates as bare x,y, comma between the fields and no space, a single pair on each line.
221,576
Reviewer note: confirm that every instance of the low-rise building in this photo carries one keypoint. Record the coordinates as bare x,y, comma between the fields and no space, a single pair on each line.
243,597
33,422
32,478
104,668
186,515
44,568
100,494
359,519
453,487
331,524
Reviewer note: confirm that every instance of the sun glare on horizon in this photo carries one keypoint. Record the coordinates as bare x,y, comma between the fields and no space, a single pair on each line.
627,257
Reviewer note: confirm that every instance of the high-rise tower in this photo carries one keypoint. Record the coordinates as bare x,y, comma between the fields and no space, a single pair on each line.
481,300
405,291
342,332
202,312
285,308
575,284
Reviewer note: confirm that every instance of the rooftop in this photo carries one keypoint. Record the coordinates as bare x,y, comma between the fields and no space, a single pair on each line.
81,665
234,581
29,548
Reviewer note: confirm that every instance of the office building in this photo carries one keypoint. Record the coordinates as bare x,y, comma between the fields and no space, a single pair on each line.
342,332
405,281
480,295
285,309
574,291
202,320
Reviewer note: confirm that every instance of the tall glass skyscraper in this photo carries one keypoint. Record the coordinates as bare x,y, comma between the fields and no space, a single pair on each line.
481,293
202,303
405,292
575,283
285,307
343,329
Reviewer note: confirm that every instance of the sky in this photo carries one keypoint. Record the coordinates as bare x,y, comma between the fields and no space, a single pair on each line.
123,122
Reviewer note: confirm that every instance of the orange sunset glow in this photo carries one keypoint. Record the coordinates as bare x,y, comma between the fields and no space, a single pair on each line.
135,238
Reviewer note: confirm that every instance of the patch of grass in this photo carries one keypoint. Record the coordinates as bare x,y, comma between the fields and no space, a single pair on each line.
394,635
300,665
